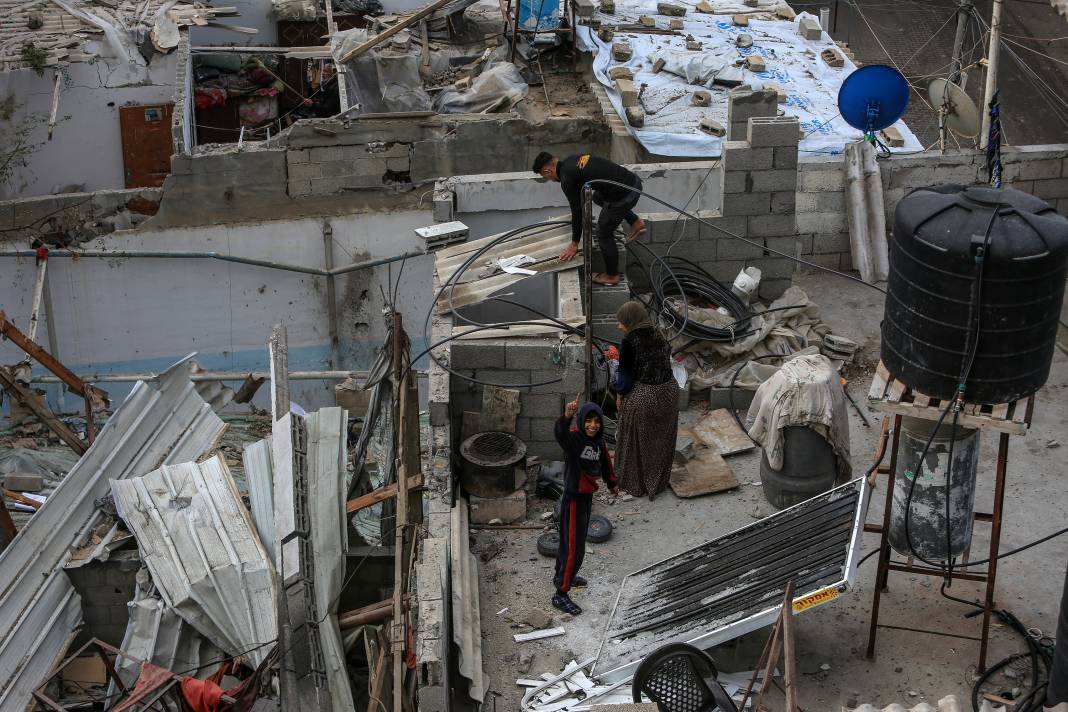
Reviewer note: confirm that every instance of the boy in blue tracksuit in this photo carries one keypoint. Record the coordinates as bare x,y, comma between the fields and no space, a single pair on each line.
580,432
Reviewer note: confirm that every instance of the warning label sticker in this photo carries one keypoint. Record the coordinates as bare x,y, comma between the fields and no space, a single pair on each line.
815,599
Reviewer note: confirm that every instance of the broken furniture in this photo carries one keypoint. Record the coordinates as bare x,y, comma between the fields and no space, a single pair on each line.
735,583
891,396
676,677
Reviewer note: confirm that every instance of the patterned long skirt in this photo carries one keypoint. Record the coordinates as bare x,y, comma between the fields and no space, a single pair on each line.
645,438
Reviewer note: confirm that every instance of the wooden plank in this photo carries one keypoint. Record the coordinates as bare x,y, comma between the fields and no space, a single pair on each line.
1000,411
878,382
538,635
23,395
920,400
379,495
895,389
407,22
1019,414
983,422
706,473
720,431
500,409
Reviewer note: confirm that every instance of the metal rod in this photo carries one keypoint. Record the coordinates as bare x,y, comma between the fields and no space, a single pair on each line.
211,377
331,299
122,254
995,543
788,650
929,632
884,542
587,269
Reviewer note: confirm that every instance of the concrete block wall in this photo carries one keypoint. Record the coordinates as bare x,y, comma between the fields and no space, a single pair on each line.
106,587
78,217
759,198
513,363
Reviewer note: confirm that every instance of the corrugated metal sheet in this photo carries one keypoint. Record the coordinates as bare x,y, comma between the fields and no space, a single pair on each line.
735,583
39,609
466,619
949,703
329,537
206,560
259,476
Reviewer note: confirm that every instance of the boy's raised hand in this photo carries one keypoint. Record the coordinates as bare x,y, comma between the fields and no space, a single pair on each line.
571,408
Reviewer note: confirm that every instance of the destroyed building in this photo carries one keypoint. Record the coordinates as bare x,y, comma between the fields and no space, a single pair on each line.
286,340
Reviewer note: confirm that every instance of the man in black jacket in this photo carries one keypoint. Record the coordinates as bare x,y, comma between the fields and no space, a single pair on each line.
617,203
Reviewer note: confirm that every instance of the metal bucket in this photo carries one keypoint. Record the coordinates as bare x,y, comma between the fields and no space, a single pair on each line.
927,518
489,463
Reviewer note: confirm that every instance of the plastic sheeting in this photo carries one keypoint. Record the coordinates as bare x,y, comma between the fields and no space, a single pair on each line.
498,88
381,80
671,122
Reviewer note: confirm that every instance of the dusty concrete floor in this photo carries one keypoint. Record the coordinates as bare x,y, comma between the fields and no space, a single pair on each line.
909,667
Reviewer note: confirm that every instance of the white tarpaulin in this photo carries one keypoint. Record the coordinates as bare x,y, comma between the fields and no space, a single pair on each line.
671,121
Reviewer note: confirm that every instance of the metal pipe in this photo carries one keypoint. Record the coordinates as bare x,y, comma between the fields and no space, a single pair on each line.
121,254
331,299
209,377
53,340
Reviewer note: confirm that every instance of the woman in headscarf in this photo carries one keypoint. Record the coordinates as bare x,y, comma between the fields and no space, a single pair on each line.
648,405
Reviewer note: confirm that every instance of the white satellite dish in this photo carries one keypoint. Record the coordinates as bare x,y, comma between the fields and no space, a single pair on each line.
960,114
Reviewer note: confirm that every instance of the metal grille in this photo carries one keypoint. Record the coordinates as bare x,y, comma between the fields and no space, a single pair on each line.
700,594
493,448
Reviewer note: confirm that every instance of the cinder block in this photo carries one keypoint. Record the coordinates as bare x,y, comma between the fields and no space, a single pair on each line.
544,429
534,405
303,171
831,202
830,242
773,131
821,223
297,188
771,225
23,482
723,269
773,267
737,182
477,354
522,428
736,131
739,156
773,180
744,103
507,509
670,9
809,29
1013,168
789,244
820,177
747,204
444,204
773,288
628,93
530,357
785,157
506,378
730,249
1051,189
784,203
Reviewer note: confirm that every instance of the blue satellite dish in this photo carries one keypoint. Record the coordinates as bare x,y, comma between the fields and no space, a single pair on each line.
873,97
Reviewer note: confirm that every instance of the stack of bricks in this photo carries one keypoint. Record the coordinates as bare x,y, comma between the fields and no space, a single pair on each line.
332,169
743,104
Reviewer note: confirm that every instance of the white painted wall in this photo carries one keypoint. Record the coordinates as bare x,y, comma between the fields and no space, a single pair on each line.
253,13
141,314
86,148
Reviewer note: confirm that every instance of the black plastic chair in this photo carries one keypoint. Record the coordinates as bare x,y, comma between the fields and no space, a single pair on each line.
676,677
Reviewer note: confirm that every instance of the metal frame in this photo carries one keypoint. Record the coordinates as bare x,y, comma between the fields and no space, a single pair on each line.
102,649
987,576
767,616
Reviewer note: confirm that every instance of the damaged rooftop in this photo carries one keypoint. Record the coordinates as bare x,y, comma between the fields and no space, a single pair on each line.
290,348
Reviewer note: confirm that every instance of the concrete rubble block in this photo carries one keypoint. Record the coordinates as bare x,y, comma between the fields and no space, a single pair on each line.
628,93
444,204
773,180
784,202
740,20
646,21
705,7
832,58
676,24
606,34
712,127
635,116
622,51
617,73
430,571
743,40
584,9
809,29
694,45
747,204
777,88
670,9
773,131
785,12
744,103
771,225
608,7
755,63
739,156
508,509
23,482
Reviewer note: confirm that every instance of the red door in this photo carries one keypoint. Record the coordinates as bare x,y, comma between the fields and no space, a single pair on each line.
146,144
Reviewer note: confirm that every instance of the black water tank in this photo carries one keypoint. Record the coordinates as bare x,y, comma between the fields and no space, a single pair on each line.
928,321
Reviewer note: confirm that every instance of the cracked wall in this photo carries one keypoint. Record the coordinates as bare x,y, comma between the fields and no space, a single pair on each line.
85,153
